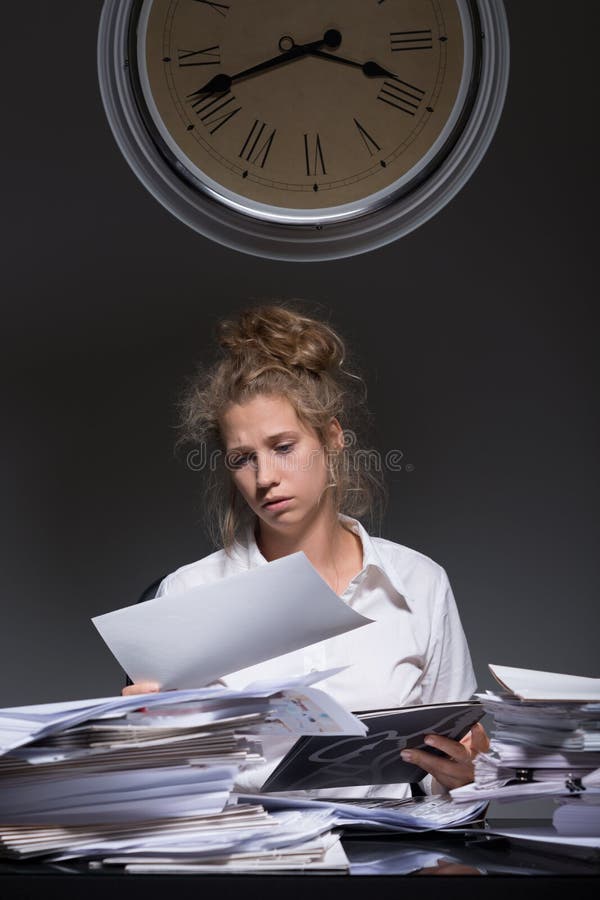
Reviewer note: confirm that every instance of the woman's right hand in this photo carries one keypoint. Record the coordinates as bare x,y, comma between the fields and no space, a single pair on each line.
143,687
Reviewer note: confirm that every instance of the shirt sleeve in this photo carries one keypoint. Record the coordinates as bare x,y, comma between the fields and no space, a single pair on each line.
448,673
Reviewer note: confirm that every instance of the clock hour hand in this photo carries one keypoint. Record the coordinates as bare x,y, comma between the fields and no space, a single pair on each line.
370,68
222,82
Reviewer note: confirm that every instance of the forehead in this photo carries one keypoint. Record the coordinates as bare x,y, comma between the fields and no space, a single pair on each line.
258,419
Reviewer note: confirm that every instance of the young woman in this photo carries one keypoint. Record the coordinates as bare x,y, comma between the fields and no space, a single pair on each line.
281,411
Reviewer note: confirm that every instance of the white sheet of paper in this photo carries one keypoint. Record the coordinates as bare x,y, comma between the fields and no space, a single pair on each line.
193,638
531,684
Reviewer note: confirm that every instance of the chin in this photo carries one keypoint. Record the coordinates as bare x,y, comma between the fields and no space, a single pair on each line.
280,520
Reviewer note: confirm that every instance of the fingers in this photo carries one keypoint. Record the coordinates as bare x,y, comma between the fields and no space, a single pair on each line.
449,772
456,768
454,749
142,687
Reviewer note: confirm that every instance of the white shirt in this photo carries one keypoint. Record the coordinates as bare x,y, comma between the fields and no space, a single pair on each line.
414,652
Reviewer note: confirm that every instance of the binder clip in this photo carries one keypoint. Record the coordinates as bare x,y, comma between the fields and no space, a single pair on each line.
522,776
574,785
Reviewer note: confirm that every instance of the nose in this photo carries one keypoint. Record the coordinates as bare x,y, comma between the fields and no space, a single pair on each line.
266,471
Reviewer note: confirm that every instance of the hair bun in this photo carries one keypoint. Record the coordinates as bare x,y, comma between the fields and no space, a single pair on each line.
280,334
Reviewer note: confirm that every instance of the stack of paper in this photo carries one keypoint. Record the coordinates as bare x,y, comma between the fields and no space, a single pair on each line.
98,777
246,832
545,740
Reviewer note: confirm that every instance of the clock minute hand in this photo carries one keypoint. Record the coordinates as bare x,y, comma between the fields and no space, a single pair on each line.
370,68
222,82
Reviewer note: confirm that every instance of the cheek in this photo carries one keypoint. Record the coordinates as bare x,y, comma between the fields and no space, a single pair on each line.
313,472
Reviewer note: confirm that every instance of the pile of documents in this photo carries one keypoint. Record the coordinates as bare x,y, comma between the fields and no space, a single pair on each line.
154,774
147,781
545,742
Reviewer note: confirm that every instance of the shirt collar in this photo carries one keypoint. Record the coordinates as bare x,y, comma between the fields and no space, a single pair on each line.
245,551
371,556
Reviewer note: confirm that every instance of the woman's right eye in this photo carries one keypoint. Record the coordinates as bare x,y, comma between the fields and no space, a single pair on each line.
238,460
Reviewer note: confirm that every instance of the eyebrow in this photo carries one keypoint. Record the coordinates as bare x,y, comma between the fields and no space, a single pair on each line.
273,439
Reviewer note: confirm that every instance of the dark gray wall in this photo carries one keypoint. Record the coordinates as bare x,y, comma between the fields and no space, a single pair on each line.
477,334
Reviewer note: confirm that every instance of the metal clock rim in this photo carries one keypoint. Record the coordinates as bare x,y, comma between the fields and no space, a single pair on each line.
300,242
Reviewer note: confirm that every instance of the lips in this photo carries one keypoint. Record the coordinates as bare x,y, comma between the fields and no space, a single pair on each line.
274,500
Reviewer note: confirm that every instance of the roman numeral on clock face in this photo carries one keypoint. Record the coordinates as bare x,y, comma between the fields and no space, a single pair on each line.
210,56
221,8
369,142
214,110
419,39
401,95
313,155
258,144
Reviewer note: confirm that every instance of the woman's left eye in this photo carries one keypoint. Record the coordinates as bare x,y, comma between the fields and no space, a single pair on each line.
284,448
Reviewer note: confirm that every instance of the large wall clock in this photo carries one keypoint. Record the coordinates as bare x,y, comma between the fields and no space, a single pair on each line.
303,129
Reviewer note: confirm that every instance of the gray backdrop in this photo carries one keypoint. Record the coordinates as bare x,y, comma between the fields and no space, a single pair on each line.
476,333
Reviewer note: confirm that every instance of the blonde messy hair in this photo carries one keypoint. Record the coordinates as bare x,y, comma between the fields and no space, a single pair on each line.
278,351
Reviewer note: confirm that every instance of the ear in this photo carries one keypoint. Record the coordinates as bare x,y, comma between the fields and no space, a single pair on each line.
335,441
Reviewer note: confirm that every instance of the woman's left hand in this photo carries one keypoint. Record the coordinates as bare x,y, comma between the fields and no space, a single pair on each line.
458,769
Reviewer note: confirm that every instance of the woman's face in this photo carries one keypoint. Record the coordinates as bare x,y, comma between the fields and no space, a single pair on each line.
277,463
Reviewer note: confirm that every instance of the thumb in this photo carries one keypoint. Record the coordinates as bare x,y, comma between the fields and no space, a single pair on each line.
480,743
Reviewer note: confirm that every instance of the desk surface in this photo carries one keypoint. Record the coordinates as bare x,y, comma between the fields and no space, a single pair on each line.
379,862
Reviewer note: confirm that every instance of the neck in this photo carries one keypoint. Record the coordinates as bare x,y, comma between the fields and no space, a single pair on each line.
318,539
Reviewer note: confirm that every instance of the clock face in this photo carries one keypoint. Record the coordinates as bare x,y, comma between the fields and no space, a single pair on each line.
305,111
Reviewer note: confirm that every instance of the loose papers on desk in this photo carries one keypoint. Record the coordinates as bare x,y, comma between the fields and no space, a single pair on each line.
188,639
378,814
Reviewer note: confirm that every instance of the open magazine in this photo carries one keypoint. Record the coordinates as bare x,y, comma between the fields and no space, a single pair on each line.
338,761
